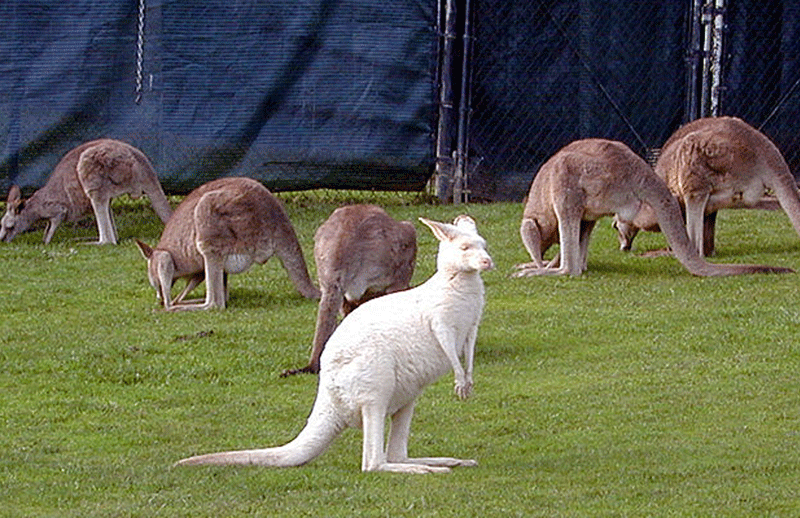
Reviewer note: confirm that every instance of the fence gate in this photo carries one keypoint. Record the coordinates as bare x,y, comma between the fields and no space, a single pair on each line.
524,78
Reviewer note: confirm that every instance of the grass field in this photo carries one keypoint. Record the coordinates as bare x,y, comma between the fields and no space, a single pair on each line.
635,390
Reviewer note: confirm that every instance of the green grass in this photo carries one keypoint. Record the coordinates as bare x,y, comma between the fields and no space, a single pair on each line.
634,390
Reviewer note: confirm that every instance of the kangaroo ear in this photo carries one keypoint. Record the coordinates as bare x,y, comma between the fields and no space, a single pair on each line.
442,231
14,194
465,222
145,249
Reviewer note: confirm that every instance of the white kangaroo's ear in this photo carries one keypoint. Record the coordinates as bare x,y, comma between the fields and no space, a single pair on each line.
145,249
442,231
465,222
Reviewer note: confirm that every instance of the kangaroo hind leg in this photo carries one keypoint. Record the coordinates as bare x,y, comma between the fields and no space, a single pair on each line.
216,287
101,205
373,457
397,451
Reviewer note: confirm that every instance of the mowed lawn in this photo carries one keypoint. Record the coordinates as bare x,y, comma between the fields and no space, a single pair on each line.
634,390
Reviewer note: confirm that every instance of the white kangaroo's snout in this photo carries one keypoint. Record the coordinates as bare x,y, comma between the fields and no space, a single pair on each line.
479,259
485,263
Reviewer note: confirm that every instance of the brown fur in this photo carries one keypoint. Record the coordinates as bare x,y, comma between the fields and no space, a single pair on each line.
718,163
592,178
88,177
361,253
223,227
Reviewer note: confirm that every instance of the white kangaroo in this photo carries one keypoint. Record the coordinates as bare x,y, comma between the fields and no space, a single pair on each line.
592,178
361,253
717,163
381,357
223,226
87,177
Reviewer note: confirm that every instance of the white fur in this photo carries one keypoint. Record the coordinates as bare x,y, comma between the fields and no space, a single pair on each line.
384,354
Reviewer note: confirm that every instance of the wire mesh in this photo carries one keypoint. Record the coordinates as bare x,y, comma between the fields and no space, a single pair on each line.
545,73
761,70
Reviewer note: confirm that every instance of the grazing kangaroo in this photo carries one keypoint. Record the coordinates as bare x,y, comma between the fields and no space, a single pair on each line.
87,177
223,226
361,253
592,178
381,357
717,163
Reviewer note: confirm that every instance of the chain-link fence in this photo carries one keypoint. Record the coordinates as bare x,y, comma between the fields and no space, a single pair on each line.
546,72
761,70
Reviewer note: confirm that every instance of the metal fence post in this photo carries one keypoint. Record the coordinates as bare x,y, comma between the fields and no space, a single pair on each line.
716,56
694,58
712,19
460,187
444,160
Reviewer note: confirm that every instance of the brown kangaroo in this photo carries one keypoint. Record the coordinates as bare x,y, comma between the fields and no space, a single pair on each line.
717,163
361,253
592,178
87,177
222,227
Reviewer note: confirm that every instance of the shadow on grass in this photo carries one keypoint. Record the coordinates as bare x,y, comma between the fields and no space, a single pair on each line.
630,265
253,298
747,248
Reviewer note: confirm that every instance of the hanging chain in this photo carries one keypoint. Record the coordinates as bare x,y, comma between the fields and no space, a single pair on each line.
140,52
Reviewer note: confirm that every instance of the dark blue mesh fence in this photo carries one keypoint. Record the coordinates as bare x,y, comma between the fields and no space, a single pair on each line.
309,93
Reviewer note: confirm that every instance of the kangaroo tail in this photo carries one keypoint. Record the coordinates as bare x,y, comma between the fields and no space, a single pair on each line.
781,181
291,256
669,218
320,430
329,306
153,187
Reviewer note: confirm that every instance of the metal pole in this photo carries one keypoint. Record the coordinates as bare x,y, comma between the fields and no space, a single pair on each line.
586,88
460,187
716,68
444,162
705,94
693,59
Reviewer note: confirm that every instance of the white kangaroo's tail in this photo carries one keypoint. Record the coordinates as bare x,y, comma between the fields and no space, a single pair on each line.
320,430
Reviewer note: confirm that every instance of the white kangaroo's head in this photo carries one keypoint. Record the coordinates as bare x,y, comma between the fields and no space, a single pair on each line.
461,248
16,218
160,271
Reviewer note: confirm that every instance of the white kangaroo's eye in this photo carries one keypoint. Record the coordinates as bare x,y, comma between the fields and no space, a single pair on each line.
465,246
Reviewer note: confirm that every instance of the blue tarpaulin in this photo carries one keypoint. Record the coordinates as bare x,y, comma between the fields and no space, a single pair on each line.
301,94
